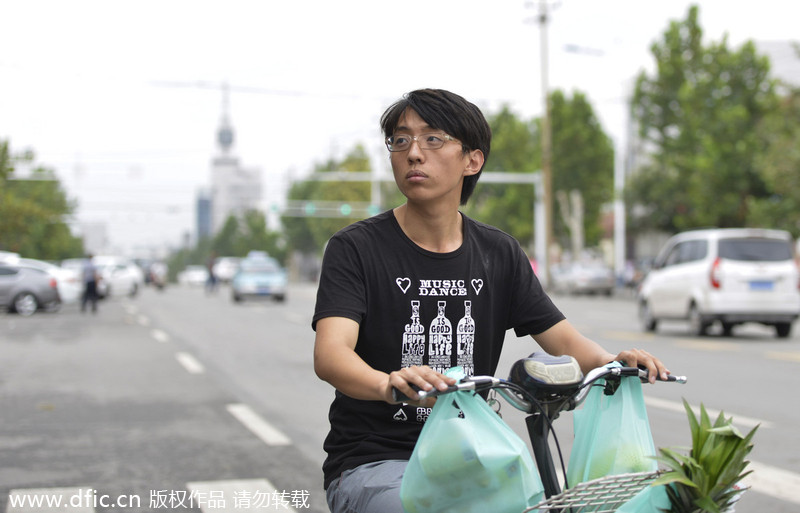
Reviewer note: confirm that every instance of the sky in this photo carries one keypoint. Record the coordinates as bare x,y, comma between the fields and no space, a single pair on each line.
123,99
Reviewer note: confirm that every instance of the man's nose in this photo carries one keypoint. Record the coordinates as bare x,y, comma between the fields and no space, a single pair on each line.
414,151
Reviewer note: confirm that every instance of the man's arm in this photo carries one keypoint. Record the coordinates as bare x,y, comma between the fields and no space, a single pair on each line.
563,338
336,362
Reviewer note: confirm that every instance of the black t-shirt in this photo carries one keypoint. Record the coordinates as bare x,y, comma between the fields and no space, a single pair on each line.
416,307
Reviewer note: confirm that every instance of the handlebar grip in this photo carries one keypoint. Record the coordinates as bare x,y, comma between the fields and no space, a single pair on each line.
400,397
644,374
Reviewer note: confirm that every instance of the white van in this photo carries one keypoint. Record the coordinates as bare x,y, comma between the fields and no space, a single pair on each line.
730,275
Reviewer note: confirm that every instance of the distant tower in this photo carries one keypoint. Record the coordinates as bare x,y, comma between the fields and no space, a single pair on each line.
234,189
225,132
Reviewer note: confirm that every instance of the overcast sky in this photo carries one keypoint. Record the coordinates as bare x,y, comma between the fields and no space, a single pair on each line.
123,99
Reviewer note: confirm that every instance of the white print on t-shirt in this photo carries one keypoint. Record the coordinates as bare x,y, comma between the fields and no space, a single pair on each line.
413,339
442,288
423,414
440,341
477,284
400,415
465,340
403,283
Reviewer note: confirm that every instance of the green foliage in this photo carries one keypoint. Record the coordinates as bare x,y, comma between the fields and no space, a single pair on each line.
703,480
515,148
700,115
583,159
780,168
33,212
236,238
309,234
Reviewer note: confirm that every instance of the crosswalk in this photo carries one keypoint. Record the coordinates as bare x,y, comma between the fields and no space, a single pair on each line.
229,496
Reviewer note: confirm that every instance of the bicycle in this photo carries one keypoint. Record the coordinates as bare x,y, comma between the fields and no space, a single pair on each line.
544,386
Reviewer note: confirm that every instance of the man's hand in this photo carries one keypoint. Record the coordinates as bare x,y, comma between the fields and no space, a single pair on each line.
422,377
640,357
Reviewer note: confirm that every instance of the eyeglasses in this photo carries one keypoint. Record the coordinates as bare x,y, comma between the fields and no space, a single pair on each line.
428,141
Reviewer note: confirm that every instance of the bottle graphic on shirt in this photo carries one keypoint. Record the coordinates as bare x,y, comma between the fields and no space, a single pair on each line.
465,340
440,341
413,339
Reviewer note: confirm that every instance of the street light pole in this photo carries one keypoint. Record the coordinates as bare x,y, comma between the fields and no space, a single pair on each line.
546,141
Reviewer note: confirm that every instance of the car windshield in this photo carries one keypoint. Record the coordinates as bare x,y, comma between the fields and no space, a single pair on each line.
755,250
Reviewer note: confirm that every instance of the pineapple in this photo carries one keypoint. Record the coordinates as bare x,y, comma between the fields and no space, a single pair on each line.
703,480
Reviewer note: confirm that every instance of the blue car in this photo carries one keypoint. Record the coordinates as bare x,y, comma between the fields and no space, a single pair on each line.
259,278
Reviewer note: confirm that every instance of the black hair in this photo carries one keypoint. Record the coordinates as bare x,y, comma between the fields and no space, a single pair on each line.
451,113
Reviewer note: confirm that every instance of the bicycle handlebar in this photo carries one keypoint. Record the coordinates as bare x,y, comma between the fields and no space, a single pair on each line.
482,383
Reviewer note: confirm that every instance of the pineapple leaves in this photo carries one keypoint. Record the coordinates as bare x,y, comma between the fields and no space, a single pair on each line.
704,479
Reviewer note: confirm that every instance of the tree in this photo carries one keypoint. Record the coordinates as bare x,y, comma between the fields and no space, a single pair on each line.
514,149
699,115
583,160
309,234
33,212
780,167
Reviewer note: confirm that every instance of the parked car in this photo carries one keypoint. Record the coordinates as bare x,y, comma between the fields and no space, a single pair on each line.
118,275
225,268
731,276
584,278
193,275
259,277
68,281
25,290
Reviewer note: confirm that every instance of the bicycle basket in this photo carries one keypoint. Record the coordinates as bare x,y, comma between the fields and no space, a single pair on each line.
603,495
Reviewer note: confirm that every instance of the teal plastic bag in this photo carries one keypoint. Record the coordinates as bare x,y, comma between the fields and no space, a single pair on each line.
468,460
612,434
653,499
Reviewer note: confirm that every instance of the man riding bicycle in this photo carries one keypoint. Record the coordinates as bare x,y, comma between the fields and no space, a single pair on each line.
411,292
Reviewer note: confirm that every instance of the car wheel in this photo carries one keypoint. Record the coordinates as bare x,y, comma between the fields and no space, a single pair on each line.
783,329
697,325
727,329
649,323
25,304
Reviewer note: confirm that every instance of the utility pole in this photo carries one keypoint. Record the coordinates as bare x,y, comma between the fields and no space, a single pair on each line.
546,141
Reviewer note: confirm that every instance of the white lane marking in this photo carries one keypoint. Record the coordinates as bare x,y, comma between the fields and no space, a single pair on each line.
190,363
51,500
738,420
143,320
773,481
260,427
159,335
235,496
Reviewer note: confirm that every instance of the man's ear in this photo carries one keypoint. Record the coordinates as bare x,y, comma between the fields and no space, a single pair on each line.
475,163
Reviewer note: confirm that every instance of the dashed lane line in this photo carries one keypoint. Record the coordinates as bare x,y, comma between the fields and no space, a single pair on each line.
260,427
739,420
708,345
784,356
190,363
775,482
159,335
235,496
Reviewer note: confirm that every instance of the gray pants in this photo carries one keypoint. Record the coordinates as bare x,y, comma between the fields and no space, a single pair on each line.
370,488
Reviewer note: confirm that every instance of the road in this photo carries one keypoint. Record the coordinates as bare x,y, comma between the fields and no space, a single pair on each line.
165,401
